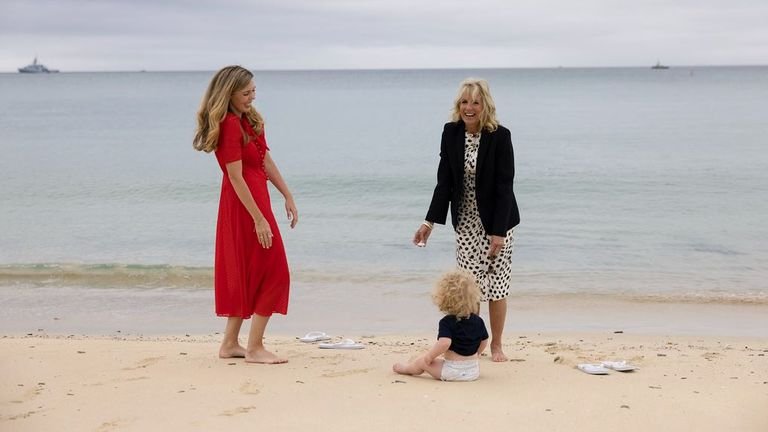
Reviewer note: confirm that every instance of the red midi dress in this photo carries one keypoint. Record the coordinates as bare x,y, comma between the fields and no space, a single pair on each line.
248,278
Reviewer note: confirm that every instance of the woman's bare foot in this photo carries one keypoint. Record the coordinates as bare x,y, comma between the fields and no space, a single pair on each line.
263,356
235,351
497,354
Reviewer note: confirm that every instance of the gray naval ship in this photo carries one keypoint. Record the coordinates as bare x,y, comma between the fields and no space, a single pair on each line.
36,67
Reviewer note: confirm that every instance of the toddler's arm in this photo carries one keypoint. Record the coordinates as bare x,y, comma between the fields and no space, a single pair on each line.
438,349
482,347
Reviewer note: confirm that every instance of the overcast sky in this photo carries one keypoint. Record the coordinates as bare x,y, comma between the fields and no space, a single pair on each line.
88,35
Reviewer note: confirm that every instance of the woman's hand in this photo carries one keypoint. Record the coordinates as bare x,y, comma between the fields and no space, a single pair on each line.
290,210
263,231
421,236
497,243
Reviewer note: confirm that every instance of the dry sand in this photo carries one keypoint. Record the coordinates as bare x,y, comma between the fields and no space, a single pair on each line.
58,383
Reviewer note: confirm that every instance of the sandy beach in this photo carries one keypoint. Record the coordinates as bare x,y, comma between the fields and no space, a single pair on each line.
82,383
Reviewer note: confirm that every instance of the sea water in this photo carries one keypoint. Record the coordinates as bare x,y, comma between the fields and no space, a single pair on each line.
632,183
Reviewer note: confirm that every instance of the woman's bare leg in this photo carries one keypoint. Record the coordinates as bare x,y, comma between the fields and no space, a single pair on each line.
497,309
256,353
230,345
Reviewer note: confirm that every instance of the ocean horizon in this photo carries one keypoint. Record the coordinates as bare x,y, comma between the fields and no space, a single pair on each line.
436,69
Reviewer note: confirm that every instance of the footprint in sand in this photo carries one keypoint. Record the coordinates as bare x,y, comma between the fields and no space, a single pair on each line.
145,363
249,388
112,425
138,378
236,411
33,392
21,416
333,360
347,372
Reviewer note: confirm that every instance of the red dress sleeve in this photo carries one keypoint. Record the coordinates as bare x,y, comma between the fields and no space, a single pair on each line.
230,148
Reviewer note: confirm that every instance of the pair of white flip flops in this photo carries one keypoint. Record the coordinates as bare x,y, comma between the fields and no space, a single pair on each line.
318,336
605,367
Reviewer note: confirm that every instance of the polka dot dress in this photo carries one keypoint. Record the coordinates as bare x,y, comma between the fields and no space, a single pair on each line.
472,243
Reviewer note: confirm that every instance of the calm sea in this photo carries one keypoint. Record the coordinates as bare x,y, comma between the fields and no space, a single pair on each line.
633,183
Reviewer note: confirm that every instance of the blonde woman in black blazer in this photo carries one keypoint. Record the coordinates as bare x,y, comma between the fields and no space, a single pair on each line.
475,180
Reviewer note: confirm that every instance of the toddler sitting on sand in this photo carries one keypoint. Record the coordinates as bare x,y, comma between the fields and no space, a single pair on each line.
461,336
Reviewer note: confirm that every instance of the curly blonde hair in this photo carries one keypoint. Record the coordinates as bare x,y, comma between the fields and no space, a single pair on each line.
215,105
456,293
477,88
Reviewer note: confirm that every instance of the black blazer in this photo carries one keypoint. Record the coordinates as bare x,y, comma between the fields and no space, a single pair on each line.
493,182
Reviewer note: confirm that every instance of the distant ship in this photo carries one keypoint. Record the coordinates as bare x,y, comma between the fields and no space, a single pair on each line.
35,67
658,65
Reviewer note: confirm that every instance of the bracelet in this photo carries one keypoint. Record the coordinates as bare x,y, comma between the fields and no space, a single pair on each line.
428,224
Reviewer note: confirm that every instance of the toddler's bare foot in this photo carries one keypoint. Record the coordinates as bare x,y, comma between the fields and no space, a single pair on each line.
236,351
400,368
263,356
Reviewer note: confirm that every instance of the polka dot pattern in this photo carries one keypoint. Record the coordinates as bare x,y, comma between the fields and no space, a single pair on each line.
472,244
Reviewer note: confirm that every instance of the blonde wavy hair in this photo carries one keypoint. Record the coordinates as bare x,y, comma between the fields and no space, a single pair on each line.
456,293
215,105
477,88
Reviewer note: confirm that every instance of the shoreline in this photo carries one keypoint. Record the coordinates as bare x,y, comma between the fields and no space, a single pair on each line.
701,383
156,312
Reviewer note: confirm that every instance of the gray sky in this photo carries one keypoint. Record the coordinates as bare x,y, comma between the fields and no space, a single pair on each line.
86,35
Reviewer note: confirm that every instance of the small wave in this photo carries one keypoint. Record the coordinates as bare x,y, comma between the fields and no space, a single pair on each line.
635,287
701,298
140,276
107,275
715,249
757,298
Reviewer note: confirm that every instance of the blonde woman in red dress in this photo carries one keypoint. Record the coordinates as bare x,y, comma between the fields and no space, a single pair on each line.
251,275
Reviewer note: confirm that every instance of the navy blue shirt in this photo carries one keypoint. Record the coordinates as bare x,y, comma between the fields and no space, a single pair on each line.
465,333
